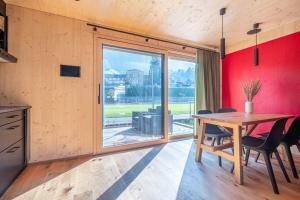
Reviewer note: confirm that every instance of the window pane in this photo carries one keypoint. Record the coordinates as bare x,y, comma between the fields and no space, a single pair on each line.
133,92
181,97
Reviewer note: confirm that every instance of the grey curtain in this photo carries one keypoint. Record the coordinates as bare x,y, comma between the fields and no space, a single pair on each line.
207,81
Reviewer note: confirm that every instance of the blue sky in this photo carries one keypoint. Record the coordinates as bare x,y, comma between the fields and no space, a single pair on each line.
125,60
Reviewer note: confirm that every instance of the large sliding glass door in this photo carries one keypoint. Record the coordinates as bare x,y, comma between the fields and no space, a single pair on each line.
181,95
132,96
145,95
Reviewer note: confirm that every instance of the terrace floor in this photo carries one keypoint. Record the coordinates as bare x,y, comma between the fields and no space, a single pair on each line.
127,135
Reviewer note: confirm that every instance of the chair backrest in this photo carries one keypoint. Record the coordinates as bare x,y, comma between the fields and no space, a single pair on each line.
292,136
225,110
275,136
210,128
201,112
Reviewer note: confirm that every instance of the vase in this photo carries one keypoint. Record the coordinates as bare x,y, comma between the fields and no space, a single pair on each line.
249,107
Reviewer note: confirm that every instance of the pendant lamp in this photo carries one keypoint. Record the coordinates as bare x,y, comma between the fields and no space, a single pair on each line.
222,41
255,30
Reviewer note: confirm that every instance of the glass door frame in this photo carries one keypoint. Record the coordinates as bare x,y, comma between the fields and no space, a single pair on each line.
187,57
99,42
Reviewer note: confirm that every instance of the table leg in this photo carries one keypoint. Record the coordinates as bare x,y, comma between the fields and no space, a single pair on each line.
237,144
200,140
250,130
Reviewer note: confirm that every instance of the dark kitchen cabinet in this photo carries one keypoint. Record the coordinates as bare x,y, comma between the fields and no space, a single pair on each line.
10,133
13,144
12,162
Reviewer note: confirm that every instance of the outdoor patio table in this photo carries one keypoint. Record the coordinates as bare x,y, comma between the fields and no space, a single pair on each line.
236,121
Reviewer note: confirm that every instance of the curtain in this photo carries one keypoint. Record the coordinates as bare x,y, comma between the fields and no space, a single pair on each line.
207,81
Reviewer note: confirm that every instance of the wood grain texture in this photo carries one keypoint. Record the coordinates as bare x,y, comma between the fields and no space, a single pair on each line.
240,118
194,21
61,122
237,154
234,120
163,172
201,133
265,36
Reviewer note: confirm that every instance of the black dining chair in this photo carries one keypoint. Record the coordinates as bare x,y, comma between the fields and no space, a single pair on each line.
267,147
292,137
226,110
214,132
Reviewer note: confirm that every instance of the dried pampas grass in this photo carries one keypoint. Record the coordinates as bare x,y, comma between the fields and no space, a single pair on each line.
251,89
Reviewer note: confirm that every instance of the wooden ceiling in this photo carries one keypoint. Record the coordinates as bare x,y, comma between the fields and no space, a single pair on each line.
191,21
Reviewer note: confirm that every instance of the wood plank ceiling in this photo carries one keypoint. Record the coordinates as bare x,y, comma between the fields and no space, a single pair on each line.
191,21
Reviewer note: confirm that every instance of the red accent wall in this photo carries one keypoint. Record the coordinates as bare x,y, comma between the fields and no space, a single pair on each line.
278,70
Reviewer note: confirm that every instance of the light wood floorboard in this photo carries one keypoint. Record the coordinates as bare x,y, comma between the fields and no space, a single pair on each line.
163,172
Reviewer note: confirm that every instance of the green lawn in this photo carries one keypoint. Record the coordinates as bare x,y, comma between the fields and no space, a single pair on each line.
125,110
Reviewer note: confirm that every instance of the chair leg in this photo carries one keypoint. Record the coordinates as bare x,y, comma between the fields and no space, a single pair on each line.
257,156
219,157
298,146
291,160
247,156
232,167
282,166
270,171
213,142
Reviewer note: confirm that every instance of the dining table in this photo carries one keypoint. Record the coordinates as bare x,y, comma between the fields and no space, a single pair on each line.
240,124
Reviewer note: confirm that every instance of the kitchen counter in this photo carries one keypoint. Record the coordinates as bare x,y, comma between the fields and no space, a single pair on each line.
4,109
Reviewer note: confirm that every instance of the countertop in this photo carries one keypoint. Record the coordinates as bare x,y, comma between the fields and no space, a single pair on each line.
4,109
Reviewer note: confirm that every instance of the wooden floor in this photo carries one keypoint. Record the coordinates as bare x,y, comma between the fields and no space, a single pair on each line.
162,172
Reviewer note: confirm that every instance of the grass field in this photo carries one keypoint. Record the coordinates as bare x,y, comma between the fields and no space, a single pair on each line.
125,110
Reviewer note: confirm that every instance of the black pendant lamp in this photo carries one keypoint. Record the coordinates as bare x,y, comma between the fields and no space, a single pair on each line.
222,41
255,30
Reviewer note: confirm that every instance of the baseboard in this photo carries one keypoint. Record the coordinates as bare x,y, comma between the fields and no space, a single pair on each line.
60,159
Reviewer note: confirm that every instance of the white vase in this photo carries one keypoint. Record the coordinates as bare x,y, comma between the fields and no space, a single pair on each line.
249,107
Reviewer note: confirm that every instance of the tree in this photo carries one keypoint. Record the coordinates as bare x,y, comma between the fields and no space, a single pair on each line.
111,93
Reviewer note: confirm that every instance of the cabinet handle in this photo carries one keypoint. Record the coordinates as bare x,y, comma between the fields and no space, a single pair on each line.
12,150
12,116
12,127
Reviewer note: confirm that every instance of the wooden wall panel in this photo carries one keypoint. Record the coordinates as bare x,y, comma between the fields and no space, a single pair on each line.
102,33
188,21
61,120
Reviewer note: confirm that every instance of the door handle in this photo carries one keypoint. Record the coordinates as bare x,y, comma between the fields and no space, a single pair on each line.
99,91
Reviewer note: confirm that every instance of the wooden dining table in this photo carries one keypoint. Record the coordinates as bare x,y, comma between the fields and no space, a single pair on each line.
241,124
